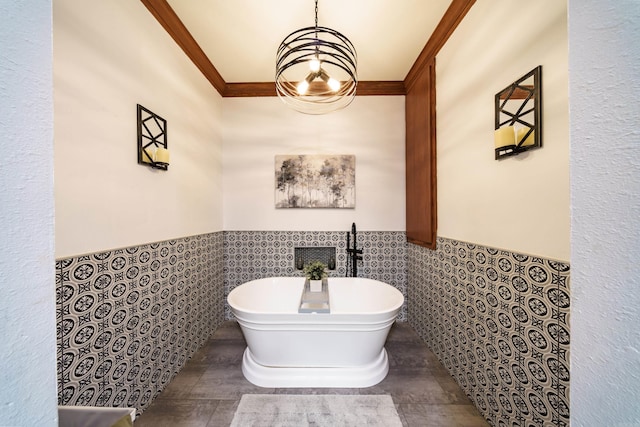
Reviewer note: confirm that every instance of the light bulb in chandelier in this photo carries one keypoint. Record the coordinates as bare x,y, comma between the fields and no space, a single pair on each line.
333,84
303,86
314,65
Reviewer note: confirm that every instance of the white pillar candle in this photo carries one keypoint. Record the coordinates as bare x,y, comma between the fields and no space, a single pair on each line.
162,155
504,136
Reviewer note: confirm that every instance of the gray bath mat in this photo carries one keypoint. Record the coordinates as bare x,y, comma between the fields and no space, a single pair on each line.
285,410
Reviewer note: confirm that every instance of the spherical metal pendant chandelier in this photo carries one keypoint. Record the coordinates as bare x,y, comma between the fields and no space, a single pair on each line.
316,70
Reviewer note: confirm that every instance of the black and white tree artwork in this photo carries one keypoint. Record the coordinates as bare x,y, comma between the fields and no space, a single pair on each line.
315,181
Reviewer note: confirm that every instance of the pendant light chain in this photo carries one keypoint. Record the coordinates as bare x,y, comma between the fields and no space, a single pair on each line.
316,19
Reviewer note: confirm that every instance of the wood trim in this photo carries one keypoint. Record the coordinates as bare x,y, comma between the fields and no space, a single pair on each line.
375,88
433,147
165,15
421,159
240,90
366,88
447,25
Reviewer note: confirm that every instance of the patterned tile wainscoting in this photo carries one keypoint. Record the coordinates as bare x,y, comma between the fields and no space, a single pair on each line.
128,319
252,255
499,322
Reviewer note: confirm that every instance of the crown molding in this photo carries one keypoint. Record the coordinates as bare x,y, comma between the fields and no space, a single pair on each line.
166,16
456,11
365,88
172,24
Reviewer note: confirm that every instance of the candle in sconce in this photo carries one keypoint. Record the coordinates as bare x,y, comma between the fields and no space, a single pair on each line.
530,139
147,155
504,137
162,156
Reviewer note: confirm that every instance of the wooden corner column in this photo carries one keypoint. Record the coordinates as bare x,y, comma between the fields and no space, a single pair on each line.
420,111
421,185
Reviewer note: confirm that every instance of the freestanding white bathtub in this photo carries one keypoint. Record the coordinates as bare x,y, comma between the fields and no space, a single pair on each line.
343,348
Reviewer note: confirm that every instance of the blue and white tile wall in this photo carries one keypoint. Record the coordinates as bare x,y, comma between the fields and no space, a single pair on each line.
128,319
499,322
250,255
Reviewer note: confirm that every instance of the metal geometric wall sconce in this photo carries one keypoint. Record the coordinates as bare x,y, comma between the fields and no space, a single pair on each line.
518,116
152,140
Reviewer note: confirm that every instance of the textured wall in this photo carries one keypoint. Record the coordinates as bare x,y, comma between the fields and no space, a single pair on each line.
604,63
250,255
27,310
128,319
499,322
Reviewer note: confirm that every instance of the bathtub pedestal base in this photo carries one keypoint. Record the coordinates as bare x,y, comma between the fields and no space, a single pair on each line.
301,377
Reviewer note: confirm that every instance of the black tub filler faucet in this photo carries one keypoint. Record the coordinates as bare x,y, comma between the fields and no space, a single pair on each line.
353,253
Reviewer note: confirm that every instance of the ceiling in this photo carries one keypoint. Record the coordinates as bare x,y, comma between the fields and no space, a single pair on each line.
240,37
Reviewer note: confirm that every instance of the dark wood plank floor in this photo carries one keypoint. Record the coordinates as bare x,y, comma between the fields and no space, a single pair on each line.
208,389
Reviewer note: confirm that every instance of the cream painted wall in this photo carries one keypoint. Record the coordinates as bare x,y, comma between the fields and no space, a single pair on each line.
257,129
108,57
519,203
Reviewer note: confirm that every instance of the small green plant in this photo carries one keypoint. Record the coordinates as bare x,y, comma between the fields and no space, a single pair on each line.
315,270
